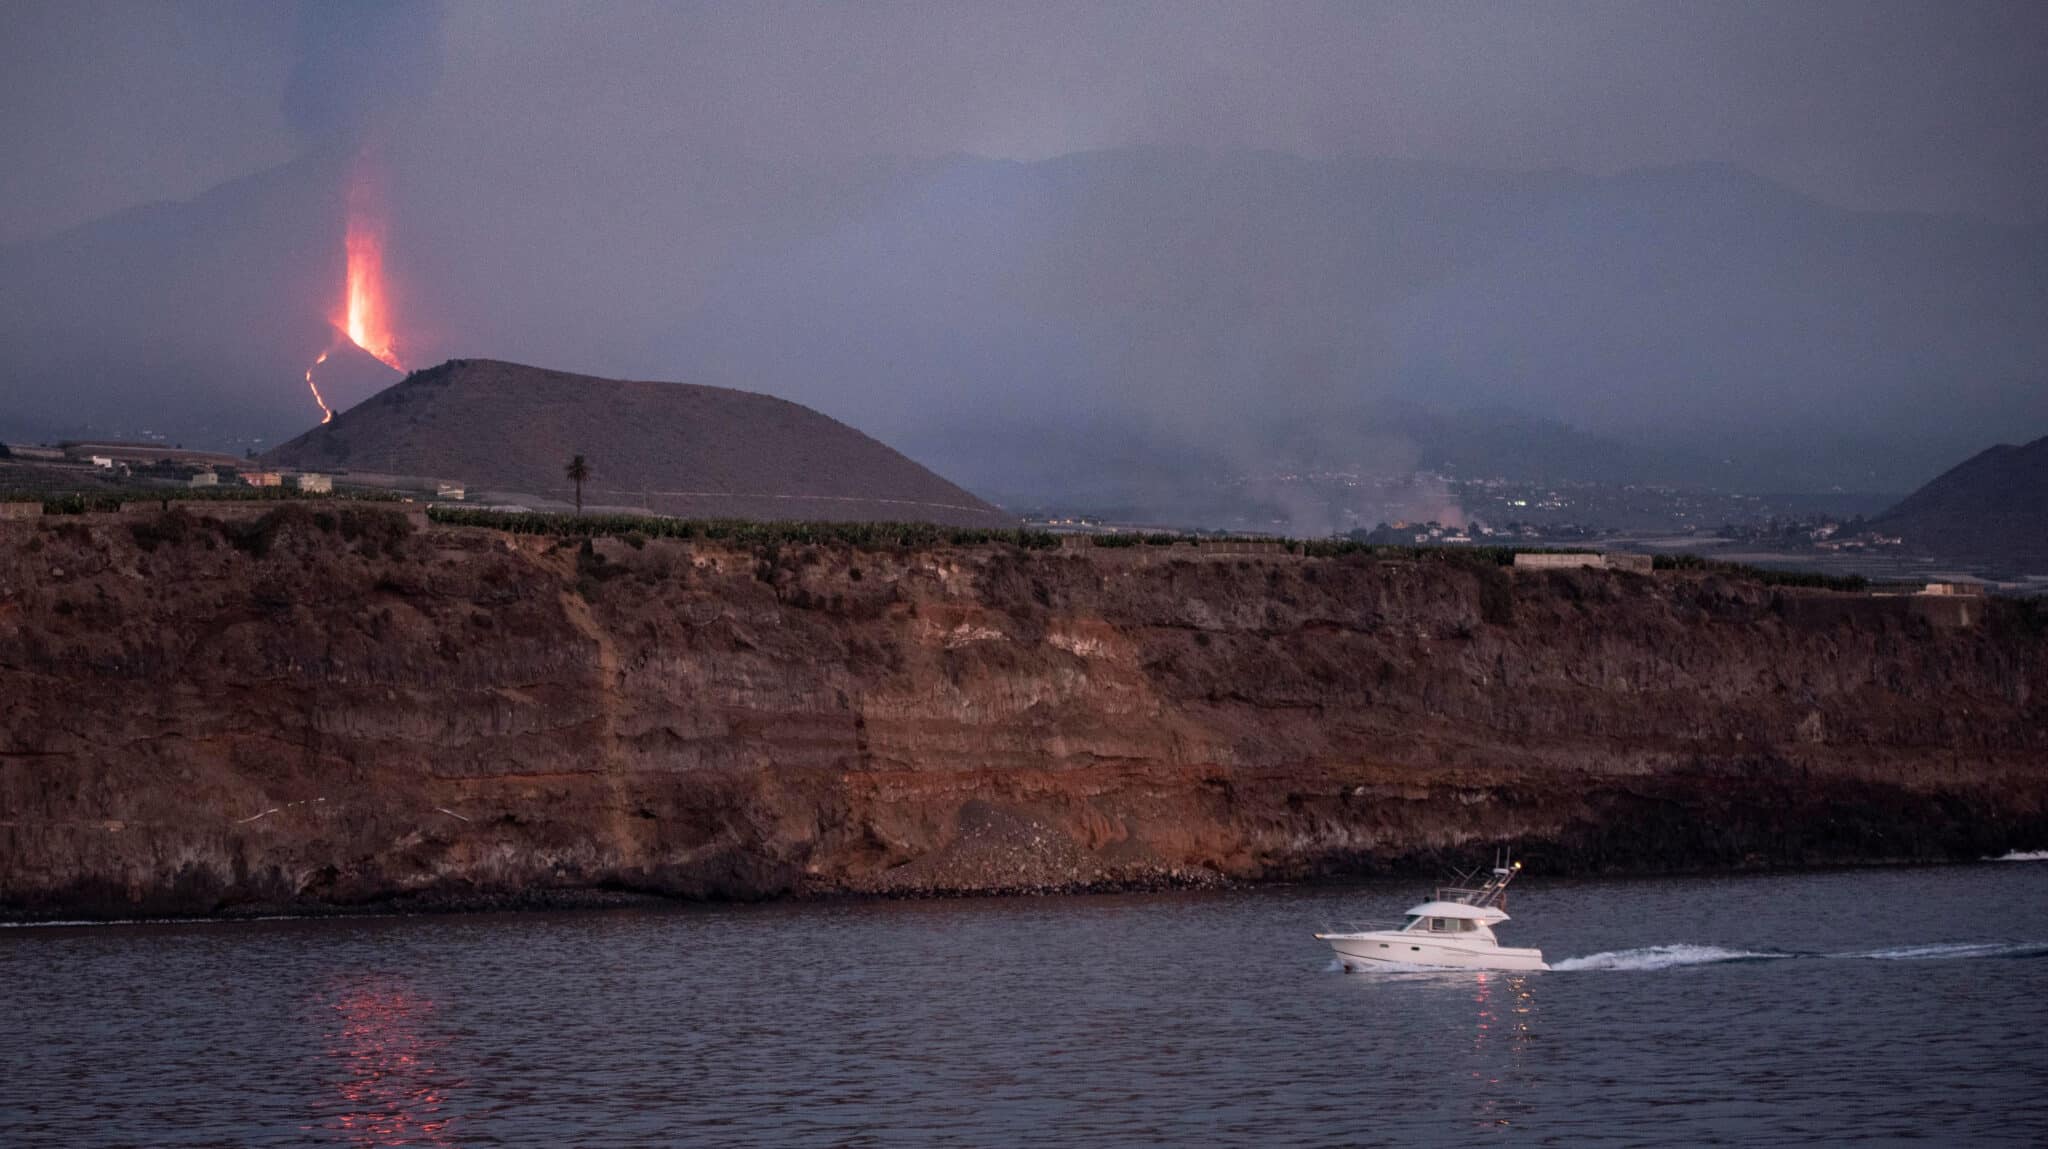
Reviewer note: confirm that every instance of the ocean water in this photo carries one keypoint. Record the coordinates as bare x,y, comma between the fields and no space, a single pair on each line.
1850,1007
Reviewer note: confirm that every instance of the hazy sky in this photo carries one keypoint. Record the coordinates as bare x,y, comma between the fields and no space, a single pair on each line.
1291,220
1862,103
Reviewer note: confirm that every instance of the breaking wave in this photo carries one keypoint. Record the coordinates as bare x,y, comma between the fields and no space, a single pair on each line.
1663,957
2022,856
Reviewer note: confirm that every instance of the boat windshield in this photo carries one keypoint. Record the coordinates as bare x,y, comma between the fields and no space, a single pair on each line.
1428,925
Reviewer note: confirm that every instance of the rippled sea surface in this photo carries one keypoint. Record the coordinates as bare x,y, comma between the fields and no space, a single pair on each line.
1879,1007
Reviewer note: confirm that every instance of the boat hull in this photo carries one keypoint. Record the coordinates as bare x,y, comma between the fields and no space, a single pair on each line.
1395,949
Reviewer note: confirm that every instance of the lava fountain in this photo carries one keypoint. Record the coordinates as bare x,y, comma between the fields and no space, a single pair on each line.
363,317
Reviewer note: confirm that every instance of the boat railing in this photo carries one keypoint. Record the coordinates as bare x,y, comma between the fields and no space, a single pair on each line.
1493,893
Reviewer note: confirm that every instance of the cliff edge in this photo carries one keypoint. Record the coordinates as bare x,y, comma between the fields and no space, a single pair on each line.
337,706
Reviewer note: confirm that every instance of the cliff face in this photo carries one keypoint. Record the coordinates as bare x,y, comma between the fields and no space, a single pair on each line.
338,708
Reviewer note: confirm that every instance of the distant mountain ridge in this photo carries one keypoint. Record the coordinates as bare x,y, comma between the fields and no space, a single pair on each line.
672,448
1992,507
1210,302
1123,312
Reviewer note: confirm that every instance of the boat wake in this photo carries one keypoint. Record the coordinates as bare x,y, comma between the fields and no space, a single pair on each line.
1956,950
1663,957
1673,956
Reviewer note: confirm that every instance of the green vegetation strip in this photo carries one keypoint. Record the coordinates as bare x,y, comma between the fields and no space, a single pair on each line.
740,532
80,503
1809,579
746,532
875,536
375,528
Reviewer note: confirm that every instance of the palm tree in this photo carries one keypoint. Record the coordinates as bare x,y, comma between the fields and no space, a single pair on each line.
577,471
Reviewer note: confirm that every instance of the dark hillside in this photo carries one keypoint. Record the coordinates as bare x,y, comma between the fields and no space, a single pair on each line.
1993,507
674,448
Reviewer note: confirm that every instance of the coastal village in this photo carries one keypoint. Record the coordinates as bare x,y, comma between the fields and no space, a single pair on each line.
77,468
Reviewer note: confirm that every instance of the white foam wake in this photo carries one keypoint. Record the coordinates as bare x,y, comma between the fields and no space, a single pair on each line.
1953,950
1668,957
2022,856
1661,957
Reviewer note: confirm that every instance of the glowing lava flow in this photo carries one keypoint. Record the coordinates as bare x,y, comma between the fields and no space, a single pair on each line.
326,413
363,318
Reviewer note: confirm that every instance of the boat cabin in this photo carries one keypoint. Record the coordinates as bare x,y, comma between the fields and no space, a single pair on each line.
1452,918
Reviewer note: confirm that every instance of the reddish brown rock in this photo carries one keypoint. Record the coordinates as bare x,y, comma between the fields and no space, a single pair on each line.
307,711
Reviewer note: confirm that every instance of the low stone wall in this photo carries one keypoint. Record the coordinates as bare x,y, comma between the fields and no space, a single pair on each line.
1241,547
1639,564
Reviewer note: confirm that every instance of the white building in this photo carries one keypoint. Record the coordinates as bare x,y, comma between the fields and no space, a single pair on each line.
1954,590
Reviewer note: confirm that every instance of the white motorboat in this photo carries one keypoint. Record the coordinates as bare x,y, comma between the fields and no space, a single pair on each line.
1453,930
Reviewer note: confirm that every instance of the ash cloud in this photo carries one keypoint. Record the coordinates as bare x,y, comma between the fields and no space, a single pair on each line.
361,64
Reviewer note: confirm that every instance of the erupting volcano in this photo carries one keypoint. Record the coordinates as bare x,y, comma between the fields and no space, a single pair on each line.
363,317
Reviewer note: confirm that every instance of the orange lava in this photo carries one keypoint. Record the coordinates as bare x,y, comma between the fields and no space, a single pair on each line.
365,318
389,1087
326,413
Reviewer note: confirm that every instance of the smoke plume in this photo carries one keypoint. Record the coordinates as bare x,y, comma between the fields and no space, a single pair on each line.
360,64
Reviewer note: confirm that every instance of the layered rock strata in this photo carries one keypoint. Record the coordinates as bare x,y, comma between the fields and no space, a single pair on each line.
340,708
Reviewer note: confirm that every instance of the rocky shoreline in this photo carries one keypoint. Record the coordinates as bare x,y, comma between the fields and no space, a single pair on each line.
348,712
583,900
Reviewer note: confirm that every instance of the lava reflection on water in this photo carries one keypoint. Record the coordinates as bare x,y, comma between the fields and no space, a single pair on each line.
1498,1046
390,1088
